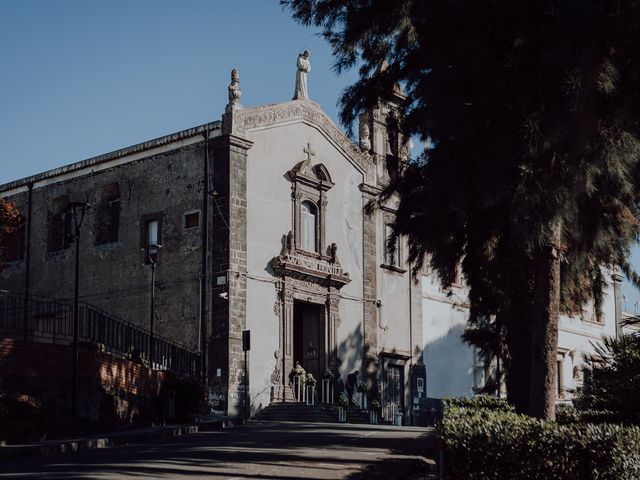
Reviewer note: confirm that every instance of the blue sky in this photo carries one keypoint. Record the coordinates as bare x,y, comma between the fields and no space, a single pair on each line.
82,78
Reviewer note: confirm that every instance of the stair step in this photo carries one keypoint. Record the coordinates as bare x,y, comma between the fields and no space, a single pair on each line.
299,411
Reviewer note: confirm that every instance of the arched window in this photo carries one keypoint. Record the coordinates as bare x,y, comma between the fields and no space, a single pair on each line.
308,215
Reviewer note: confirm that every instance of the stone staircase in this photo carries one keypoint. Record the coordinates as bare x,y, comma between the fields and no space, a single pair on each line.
301,412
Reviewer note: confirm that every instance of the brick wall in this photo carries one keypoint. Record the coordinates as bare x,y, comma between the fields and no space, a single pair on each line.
110,387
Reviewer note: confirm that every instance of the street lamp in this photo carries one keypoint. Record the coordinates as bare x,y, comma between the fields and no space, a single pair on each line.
77,210
153,250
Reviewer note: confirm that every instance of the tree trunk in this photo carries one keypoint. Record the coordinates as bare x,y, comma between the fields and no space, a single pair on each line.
518,375
544,333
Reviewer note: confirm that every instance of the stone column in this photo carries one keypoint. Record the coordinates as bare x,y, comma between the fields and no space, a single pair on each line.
333,320
229,256
287,332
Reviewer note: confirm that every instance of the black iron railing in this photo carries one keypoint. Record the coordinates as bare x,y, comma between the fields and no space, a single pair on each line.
50,320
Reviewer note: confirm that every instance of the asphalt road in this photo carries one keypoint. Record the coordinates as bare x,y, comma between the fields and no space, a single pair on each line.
257,450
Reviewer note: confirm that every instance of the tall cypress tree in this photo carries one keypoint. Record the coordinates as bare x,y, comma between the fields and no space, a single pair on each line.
531,112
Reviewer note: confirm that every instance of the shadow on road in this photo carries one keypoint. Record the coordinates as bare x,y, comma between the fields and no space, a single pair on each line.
266,451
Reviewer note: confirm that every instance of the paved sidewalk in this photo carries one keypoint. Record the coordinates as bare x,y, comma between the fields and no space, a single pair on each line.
55,447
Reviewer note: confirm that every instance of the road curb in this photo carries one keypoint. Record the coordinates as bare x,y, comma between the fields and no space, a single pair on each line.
56,447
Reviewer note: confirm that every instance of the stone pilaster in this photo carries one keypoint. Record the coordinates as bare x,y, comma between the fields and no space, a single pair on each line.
229,259
370,362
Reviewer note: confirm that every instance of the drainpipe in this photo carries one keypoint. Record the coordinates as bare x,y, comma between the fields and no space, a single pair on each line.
27,265
411,390
205,250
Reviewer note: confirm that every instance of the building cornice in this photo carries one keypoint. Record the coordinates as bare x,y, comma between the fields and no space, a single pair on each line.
93,163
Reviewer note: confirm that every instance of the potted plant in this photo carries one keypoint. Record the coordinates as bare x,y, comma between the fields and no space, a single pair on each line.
373,412
310,386
327,386
299,374
343,403
362,388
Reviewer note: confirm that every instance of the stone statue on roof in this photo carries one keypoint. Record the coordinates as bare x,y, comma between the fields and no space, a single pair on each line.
303,68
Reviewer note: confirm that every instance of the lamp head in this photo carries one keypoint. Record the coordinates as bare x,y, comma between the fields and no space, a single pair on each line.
153,249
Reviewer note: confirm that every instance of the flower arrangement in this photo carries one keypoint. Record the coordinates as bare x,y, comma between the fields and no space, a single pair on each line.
328,375
298,370
375,404
310,380
362,387
343,400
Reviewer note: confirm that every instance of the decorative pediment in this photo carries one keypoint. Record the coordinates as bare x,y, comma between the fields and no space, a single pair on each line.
242,121
316,176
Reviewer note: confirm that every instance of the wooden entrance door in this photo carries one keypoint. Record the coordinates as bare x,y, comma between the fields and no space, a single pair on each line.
395,388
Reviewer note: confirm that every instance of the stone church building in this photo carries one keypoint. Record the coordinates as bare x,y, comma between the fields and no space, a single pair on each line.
260,218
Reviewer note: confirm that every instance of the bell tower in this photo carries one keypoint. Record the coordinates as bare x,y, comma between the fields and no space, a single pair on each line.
380,134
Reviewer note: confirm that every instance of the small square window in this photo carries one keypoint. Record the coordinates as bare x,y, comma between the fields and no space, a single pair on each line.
191,220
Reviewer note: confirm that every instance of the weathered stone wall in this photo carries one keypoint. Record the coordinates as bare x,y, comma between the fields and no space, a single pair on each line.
229,262
115,276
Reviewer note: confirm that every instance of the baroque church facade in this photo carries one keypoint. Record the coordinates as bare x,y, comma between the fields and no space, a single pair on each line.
262,225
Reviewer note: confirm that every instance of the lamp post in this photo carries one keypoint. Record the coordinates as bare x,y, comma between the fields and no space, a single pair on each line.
153,249
77,210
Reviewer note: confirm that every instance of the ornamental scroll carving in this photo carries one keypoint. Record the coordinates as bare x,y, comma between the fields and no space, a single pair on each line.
323,272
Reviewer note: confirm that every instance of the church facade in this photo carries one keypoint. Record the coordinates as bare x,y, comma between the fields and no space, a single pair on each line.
262,225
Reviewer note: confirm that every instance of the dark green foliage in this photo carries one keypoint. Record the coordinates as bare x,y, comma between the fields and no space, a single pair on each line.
612,379
531,112
487,444
568,414
480,401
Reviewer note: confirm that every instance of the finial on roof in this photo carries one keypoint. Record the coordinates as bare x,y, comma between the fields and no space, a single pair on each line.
234,91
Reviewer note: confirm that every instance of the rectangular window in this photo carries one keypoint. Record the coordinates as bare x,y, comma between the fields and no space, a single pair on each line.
152,232
60,231
14,249
191,220
114,224
391,248
560,376
479,370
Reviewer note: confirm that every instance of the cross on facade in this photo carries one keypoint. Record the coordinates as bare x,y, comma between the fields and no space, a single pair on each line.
308,151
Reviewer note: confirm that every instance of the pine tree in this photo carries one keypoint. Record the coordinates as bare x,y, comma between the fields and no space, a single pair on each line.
530,109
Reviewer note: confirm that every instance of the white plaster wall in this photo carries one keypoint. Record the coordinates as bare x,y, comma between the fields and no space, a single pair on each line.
448,360
269,218
577,337
393,290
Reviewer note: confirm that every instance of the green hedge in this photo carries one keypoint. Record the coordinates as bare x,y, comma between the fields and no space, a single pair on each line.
567,414
487,444
480,401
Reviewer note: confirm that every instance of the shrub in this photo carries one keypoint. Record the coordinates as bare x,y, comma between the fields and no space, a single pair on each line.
612,380
488,444
567,414
480,401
